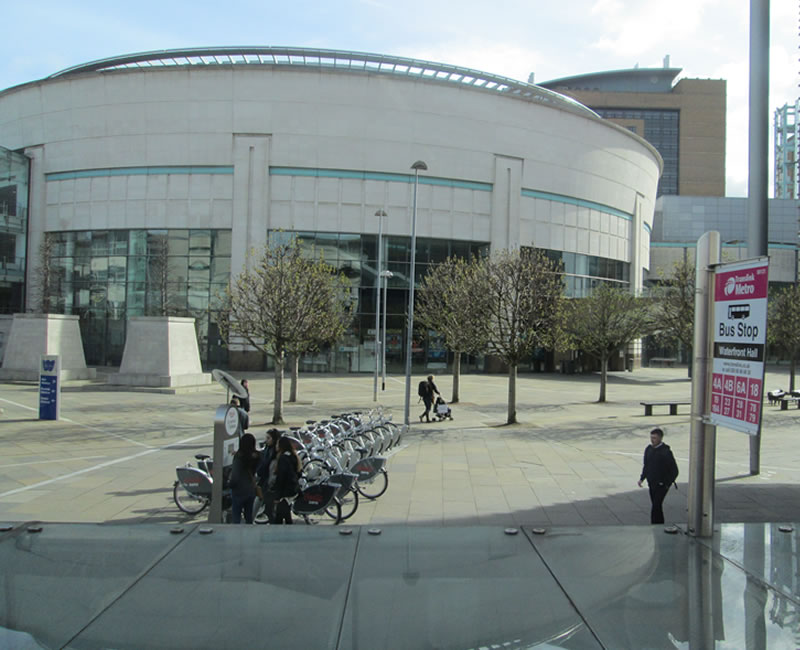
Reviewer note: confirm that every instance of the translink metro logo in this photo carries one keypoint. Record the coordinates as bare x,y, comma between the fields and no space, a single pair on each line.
734,285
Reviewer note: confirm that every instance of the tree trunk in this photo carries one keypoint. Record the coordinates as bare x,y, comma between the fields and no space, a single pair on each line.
792,367
293,384
691,363
603,377
277,408
456,376
512,394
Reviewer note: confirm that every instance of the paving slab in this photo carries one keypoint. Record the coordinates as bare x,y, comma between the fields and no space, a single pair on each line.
569,460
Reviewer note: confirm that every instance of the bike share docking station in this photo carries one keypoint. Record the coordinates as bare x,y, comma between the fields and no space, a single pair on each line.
227,432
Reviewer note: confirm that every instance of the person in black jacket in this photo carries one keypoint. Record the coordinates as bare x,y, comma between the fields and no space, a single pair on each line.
427,389
660,470
267,473
244,419
286,480
245,401
243,480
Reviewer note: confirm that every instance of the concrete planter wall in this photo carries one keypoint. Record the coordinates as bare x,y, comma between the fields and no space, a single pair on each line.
160,351
33,335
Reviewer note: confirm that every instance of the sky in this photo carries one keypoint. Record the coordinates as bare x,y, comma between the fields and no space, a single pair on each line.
708,39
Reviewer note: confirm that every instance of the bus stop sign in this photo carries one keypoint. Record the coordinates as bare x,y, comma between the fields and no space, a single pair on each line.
740,336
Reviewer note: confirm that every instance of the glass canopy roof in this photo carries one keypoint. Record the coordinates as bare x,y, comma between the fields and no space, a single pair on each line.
332,59
87,586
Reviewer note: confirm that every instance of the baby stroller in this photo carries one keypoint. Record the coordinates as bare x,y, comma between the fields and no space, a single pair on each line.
441,410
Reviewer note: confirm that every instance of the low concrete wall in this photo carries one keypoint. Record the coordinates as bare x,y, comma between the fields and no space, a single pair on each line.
33,335
5,331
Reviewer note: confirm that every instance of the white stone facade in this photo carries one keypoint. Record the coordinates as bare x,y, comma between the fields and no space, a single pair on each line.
257,148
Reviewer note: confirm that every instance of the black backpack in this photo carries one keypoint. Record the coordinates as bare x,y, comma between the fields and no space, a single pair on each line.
422,389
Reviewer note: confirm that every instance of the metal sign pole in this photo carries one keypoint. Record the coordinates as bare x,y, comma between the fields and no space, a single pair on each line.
703,436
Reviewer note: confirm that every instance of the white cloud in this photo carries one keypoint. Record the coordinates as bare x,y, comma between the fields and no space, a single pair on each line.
636,28
505,59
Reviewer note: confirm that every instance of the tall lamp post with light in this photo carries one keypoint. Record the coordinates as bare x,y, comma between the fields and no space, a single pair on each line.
380,214
386,275
417,166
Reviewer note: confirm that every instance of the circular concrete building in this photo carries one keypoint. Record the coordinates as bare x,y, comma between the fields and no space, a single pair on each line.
185,160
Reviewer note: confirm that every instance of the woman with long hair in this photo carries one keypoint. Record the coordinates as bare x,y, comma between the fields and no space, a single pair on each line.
243,480
267,473
286,480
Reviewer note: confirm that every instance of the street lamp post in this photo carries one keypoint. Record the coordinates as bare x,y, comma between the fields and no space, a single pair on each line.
380,214
417,166
386,275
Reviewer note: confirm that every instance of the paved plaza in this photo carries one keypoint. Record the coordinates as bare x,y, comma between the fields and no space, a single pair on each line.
569,462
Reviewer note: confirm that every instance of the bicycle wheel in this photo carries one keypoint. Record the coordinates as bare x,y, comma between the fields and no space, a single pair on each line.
395,431
370,443
348,504
186,501
260,512
316,471
334,511
376,486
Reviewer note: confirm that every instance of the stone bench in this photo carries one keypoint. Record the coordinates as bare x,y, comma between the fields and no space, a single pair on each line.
662,362
787,399
673,406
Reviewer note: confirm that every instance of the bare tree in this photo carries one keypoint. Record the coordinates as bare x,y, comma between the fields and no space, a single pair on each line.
783,320
524,291
325,330
604,323
450,302
281,301
674,306
158,279
45,278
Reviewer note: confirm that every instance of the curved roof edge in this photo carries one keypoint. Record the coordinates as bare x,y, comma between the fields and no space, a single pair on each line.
665,76
331,59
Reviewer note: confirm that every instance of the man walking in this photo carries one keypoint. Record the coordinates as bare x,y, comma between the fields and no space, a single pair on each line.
660,470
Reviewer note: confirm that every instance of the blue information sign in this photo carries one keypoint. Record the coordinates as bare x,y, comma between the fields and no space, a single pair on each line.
49,387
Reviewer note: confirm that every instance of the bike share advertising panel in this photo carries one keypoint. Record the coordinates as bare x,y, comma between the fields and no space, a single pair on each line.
227,432
740,336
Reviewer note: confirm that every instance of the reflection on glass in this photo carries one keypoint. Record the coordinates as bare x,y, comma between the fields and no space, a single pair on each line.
641,588
97,272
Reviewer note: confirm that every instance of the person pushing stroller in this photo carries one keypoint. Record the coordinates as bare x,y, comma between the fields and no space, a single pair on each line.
426,390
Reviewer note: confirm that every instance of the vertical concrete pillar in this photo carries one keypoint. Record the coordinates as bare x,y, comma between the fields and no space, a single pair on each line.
506,198
251,196
37,216
637,256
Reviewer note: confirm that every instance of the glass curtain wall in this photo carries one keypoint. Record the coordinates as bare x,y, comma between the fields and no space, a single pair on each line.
108,276
356,256
14,173
582,273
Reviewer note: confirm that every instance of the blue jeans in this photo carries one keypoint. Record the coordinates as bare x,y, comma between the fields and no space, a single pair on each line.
240,504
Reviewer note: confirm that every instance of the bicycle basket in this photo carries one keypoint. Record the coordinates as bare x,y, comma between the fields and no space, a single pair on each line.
367,468
314,499
343,482
195,480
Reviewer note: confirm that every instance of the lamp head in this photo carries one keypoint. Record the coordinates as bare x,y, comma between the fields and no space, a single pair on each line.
419,166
